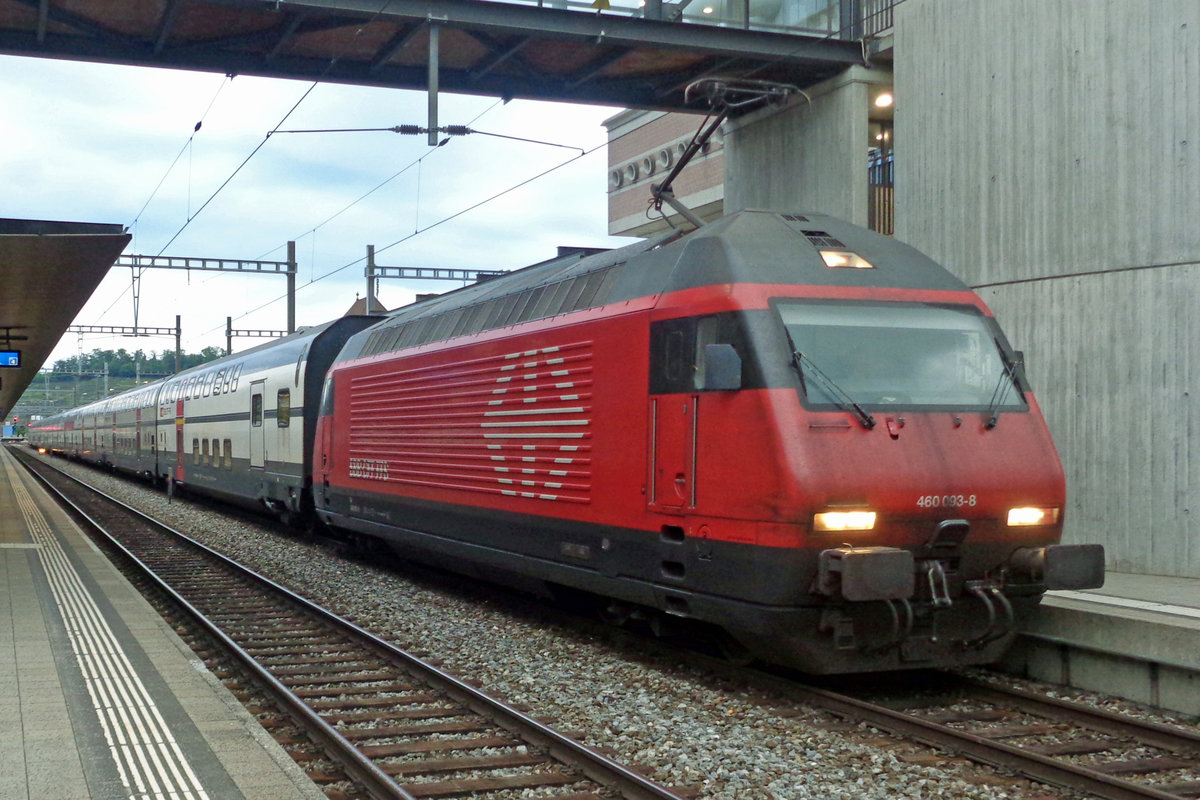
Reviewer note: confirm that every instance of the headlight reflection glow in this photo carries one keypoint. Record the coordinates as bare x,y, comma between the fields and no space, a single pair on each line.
844,521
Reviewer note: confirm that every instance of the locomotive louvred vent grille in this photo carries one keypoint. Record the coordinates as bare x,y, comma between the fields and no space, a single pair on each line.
517,424
794,218
823,239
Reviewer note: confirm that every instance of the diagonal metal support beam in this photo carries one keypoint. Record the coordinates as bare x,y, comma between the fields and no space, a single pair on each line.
595,67
394,45
284,36
77,21
500,54
166,24
499,58
267,39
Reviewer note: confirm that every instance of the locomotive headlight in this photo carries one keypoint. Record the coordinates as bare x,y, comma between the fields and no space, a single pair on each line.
833,521
1031,515
845,259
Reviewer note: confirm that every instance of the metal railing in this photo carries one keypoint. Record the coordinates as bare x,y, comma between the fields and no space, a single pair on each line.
844,19
877,16
881,183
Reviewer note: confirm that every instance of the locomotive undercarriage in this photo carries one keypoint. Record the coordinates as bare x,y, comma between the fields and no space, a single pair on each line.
914,606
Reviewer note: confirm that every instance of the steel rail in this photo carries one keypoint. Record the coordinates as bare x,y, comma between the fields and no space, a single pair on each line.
593,764
1166,737
977,748
357,765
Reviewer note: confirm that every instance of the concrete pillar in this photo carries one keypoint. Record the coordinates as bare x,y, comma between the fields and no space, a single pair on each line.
809,154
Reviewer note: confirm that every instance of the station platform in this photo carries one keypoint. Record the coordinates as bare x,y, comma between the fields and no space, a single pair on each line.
1138,637
98,696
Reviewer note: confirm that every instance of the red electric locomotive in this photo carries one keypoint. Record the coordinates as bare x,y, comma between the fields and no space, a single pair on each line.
806,434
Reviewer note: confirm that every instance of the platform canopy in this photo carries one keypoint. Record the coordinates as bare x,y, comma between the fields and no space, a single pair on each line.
596,53
48,270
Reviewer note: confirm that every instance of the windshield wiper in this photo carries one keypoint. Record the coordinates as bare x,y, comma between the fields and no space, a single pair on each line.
1008,379
839,395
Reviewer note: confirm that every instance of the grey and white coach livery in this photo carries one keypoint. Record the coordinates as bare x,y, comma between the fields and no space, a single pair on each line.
240,428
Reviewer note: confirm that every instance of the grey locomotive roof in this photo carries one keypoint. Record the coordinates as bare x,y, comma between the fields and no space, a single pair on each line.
745,247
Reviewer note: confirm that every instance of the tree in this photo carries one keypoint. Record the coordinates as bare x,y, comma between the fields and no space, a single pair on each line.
123,364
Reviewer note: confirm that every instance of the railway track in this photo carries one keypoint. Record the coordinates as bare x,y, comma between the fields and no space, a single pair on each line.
1046,740
1052,741
395,725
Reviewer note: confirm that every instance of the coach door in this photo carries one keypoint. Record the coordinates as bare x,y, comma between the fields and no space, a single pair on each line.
257,429
179,420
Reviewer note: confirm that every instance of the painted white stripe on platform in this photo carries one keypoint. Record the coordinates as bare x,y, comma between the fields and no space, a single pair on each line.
148,759
1126,602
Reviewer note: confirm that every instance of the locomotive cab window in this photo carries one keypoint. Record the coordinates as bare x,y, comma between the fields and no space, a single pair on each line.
887,355
678,353
284,401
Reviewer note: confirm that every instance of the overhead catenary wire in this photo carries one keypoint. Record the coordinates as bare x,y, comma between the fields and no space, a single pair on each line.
191,217
429,227
415,163
449,130
191,138
239,168
329,66
185,148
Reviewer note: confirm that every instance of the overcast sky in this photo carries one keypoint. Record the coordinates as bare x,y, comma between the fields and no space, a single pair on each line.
91,142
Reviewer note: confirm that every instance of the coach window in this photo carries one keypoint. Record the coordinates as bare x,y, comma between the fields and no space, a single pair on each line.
204,454
195,451
228,454
284,400
256,410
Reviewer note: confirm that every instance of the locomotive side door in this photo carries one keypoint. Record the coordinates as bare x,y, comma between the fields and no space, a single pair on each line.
257,429
673,453
672,416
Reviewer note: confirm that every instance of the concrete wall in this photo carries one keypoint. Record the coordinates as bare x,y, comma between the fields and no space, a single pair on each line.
804,156
1050,153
